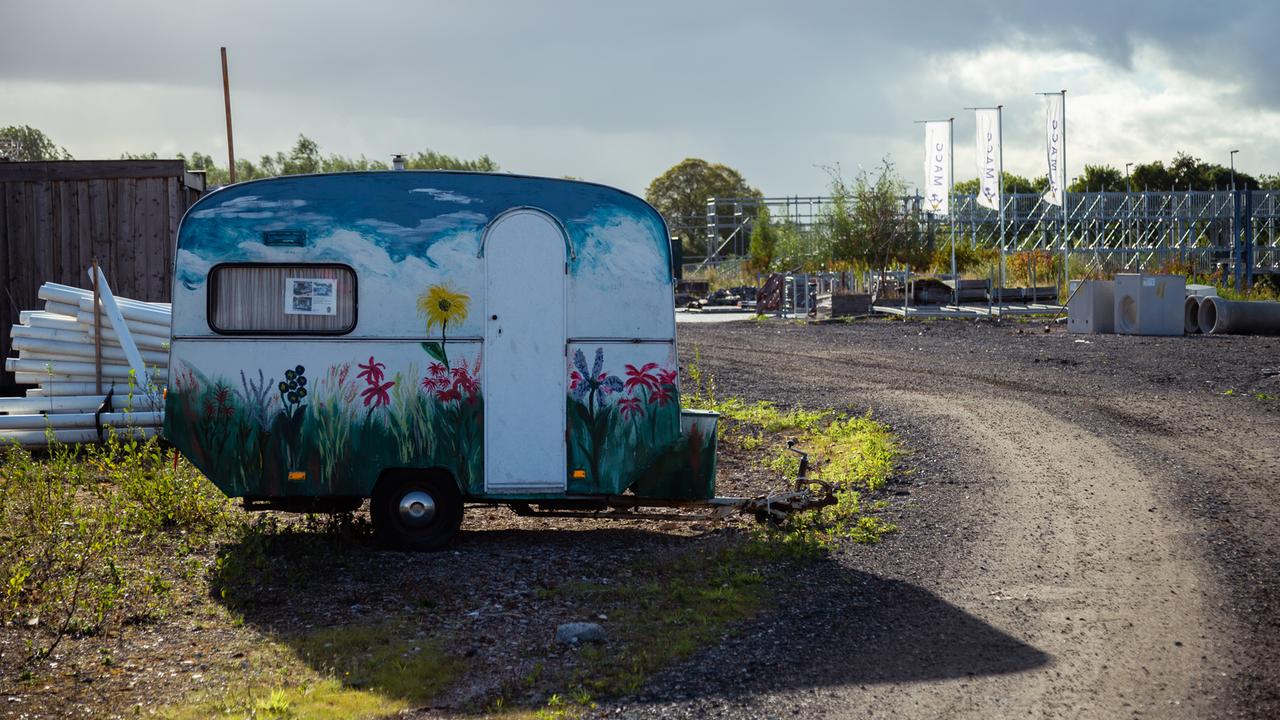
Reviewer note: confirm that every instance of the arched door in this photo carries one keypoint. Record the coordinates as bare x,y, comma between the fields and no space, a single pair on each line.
524,360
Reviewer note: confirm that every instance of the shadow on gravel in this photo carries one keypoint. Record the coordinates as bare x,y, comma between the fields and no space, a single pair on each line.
851,628
479,618
899,632
491,605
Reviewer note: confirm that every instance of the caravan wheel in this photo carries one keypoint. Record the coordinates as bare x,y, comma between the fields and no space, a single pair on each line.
418,511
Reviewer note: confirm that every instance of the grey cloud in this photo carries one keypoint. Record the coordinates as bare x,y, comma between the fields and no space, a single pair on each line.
748,78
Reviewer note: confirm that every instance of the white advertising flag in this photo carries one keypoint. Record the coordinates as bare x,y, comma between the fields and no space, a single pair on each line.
1055,141
989,157
937,166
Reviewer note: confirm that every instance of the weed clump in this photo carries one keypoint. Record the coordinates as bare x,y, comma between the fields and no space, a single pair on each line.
81,531
852,454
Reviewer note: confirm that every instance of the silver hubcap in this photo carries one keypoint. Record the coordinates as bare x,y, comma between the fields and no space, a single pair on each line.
417,509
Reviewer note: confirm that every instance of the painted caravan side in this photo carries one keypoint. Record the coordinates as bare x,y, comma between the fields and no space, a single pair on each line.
515,335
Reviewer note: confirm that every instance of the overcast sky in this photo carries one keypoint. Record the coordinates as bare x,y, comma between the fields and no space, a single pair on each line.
618,92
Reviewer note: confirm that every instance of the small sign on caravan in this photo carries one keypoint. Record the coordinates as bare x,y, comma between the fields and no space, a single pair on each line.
311,296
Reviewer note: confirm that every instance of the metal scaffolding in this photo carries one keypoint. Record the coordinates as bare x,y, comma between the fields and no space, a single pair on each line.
1206,230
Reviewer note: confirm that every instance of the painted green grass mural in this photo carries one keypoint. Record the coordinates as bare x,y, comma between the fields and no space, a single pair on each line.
330,437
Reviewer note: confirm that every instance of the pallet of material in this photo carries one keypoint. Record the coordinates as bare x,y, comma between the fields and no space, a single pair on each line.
93,367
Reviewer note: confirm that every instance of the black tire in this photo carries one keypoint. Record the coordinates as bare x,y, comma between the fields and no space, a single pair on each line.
432,515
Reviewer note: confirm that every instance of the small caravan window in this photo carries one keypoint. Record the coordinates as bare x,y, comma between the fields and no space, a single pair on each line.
280,299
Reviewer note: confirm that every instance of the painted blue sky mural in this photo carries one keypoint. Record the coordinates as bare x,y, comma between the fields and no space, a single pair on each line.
403,231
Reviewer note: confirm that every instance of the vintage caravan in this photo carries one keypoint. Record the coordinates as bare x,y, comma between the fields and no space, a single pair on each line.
430,339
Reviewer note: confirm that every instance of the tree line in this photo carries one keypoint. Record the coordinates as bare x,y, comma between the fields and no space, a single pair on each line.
304,157
1184,172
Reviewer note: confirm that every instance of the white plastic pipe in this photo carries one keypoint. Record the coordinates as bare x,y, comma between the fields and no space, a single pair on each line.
57,308
81,403
81,420
40,438
66,388
81,335
85,318
73,295
133,313
67,368
39,318
82,351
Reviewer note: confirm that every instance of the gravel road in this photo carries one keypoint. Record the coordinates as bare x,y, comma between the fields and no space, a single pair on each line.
1092,529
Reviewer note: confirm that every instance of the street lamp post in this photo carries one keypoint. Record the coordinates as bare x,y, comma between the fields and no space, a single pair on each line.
1235,224
1128,203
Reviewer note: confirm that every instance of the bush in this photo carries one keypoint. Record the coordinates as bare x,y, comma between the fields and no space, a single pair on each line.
80,528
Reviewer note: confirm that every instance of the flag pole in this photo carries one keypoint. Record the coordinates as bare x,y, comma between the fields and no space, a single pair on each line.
1003,280
951,204
1066,245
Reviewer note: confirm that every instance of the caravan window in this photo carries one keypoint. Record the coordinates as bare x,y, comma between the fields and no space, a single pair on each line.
281,299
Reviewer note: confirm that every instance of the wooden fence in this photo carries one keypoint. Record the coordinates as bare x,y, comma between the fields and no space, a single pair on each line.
56,217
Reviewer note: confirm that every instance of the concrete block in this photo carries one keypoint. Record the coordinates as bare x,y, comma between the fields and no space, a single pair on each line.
1092,308
1150,304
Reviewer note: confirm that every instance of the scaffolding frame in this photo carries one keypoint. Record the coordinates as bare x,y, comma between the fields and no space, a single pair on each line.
1232,231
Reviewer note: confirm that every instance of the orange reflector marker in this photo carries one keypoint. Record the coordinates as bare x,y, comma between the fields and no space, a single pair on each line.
579,474
297,476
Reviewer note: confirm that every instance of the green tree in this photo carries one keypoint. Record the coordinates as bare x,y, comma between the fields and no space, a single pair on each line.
1269,182
305,157
1098,178
1188,173
431,160
1012,184
883,231
33,144
681,193
764,242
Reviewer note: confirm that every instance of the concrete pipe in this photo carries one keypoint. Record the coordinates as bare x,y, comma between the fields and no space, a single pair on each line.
1191,315
1220,317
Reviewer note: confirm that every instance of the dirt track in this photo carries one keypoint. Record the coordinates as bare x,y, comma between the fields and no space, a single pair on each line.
1093,530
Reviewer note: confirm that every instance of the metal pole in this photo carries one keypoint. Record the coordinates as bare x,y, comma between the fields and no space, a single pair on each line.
226,98
951,210
1066,258
1128,207
1000,192
97,331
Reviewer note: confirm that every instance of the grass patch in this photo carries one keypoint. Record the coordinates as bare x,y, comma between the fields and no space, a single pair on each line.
854,454
355,671
670,608
98,536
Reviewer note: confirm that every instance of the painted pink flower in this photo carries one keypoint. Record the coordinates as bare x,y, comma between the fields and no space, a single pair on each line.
661,395
448,394
377,394
630,407
641,377
575,377
371,373
436,369
667,377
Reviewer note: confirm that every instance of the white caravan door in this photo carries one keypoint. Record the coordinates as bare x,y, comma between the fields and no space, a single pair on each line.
524,360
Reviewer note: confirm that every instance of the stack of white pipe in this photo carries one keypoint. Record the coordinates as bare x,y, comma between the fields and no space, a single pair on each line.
56,352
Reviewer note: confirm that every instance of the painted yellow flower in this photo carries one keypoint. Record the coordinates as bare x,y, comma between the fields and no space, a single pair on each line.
442,306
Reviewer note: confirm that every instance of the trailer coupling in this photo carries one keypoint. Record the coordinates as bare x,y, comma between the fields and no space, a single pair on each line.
805,494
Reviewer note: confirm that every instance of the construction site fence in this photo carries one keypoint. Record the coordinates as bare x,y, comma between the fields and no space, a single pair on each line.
1205,230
